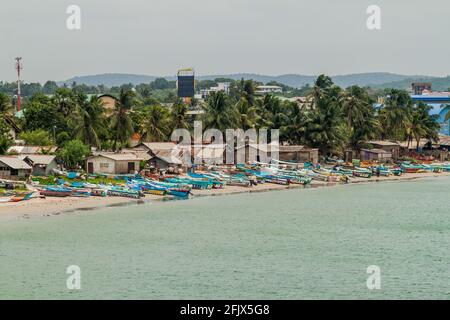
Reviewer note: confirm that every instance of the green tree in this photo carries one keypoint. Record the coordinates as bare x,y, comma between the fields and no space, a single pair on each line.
49,87
121,122
422,124
362,123
395,116
179,118
326,129
157,124
88,121
73,153
220,113
5,138
37,137
41,113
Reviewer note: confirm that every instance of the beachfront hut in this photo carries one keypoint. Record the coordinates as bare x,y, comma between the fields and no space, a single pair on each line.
290,153
113,163
14,168
164,160
42,165
298,154
389,146
375,155
155,147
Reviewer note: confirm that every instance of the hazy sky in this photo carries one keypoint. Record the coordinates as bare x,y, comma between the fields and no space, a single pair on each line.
156,37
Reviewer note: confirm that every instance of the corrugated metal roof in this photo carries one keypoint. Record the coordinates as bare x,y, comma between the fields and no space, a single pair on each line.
41,159
119,156
15,162
384,143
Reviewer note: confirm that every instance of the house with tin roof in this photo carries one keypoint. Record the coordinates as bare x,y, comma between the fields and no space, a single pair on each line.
14,168
113,163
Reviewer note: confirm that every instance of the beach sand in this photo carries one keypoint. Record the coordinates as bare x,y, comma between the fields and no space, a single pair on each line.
55,206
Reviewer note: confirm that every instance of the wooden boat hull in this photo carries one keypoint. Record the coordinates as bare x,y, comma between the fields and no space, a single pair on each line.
58,194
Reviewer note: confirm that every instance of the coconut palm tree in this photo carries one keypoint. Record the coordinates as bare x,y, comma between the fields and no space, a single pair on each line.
179,117
220,113
121,123
355,103
88,121
248,115
156,124
423,125
396,114
326,129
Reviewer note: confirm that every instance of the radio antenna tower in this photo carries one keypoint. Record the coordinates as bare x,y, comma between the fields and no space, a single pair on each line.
19,68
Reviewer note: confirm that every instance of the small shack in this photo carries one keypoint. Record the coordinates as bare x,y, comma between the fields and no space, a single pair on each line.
42,165
291,153
164,160
113,163
391,147
298,154
14,168
375,155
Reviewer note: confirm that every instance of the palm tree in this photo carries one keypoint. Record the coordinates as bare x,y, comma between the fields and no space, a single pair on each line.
88,121
121,122
326,129
355,104
423,125
156,124
395,116
179,116
362,123
248,114
298,119
220,113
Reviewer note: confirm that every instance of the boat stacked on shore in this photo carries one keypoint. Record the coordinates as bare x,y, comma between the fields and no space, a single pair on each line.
181,186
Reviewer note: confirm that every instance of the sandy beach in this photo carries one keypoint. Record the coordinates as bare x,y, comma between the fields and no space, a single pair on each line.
55,206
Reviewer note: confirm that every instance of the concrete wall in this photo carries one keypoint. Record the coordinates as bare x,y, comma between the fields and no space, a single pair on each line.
45,170
105,165
102,165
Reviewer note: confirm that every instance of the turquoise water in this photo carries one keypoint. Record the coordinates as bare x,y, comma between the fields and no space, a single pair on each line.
296,244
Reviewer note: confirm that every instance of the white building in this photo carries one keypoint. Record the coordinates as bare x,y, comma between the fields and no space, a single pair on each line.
268,89
221,86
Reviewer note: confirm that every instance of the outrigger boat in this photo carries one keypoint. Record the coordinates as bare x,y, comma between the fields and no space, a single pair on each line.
56,191
18,198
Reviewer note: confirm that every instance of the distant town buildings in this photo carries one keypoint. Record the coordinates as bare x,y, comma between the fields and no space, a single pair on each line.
268,89
419,87
221,86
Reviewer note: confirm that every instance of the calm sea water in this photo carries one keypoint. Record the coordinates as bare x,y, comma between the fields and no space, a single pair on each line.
296,244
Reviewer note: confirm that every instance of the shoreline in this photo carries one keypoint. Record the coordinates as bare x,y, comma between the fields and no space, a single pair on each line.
56,206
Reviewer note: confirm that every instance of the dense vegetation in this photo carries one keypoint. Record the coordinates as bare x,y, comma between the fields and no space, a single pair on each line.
333,119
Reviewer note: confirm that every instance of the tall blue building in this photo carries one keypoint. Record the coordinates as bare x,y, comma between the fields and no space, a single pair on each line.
186,83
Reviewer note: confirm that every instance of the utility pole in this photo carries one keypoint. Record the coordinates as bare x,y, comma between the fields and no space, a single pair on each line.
19,68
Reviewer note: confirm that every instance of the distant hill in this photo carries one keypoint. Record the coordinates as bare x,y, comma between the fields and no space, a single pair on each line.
374,79
438,84
110,79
